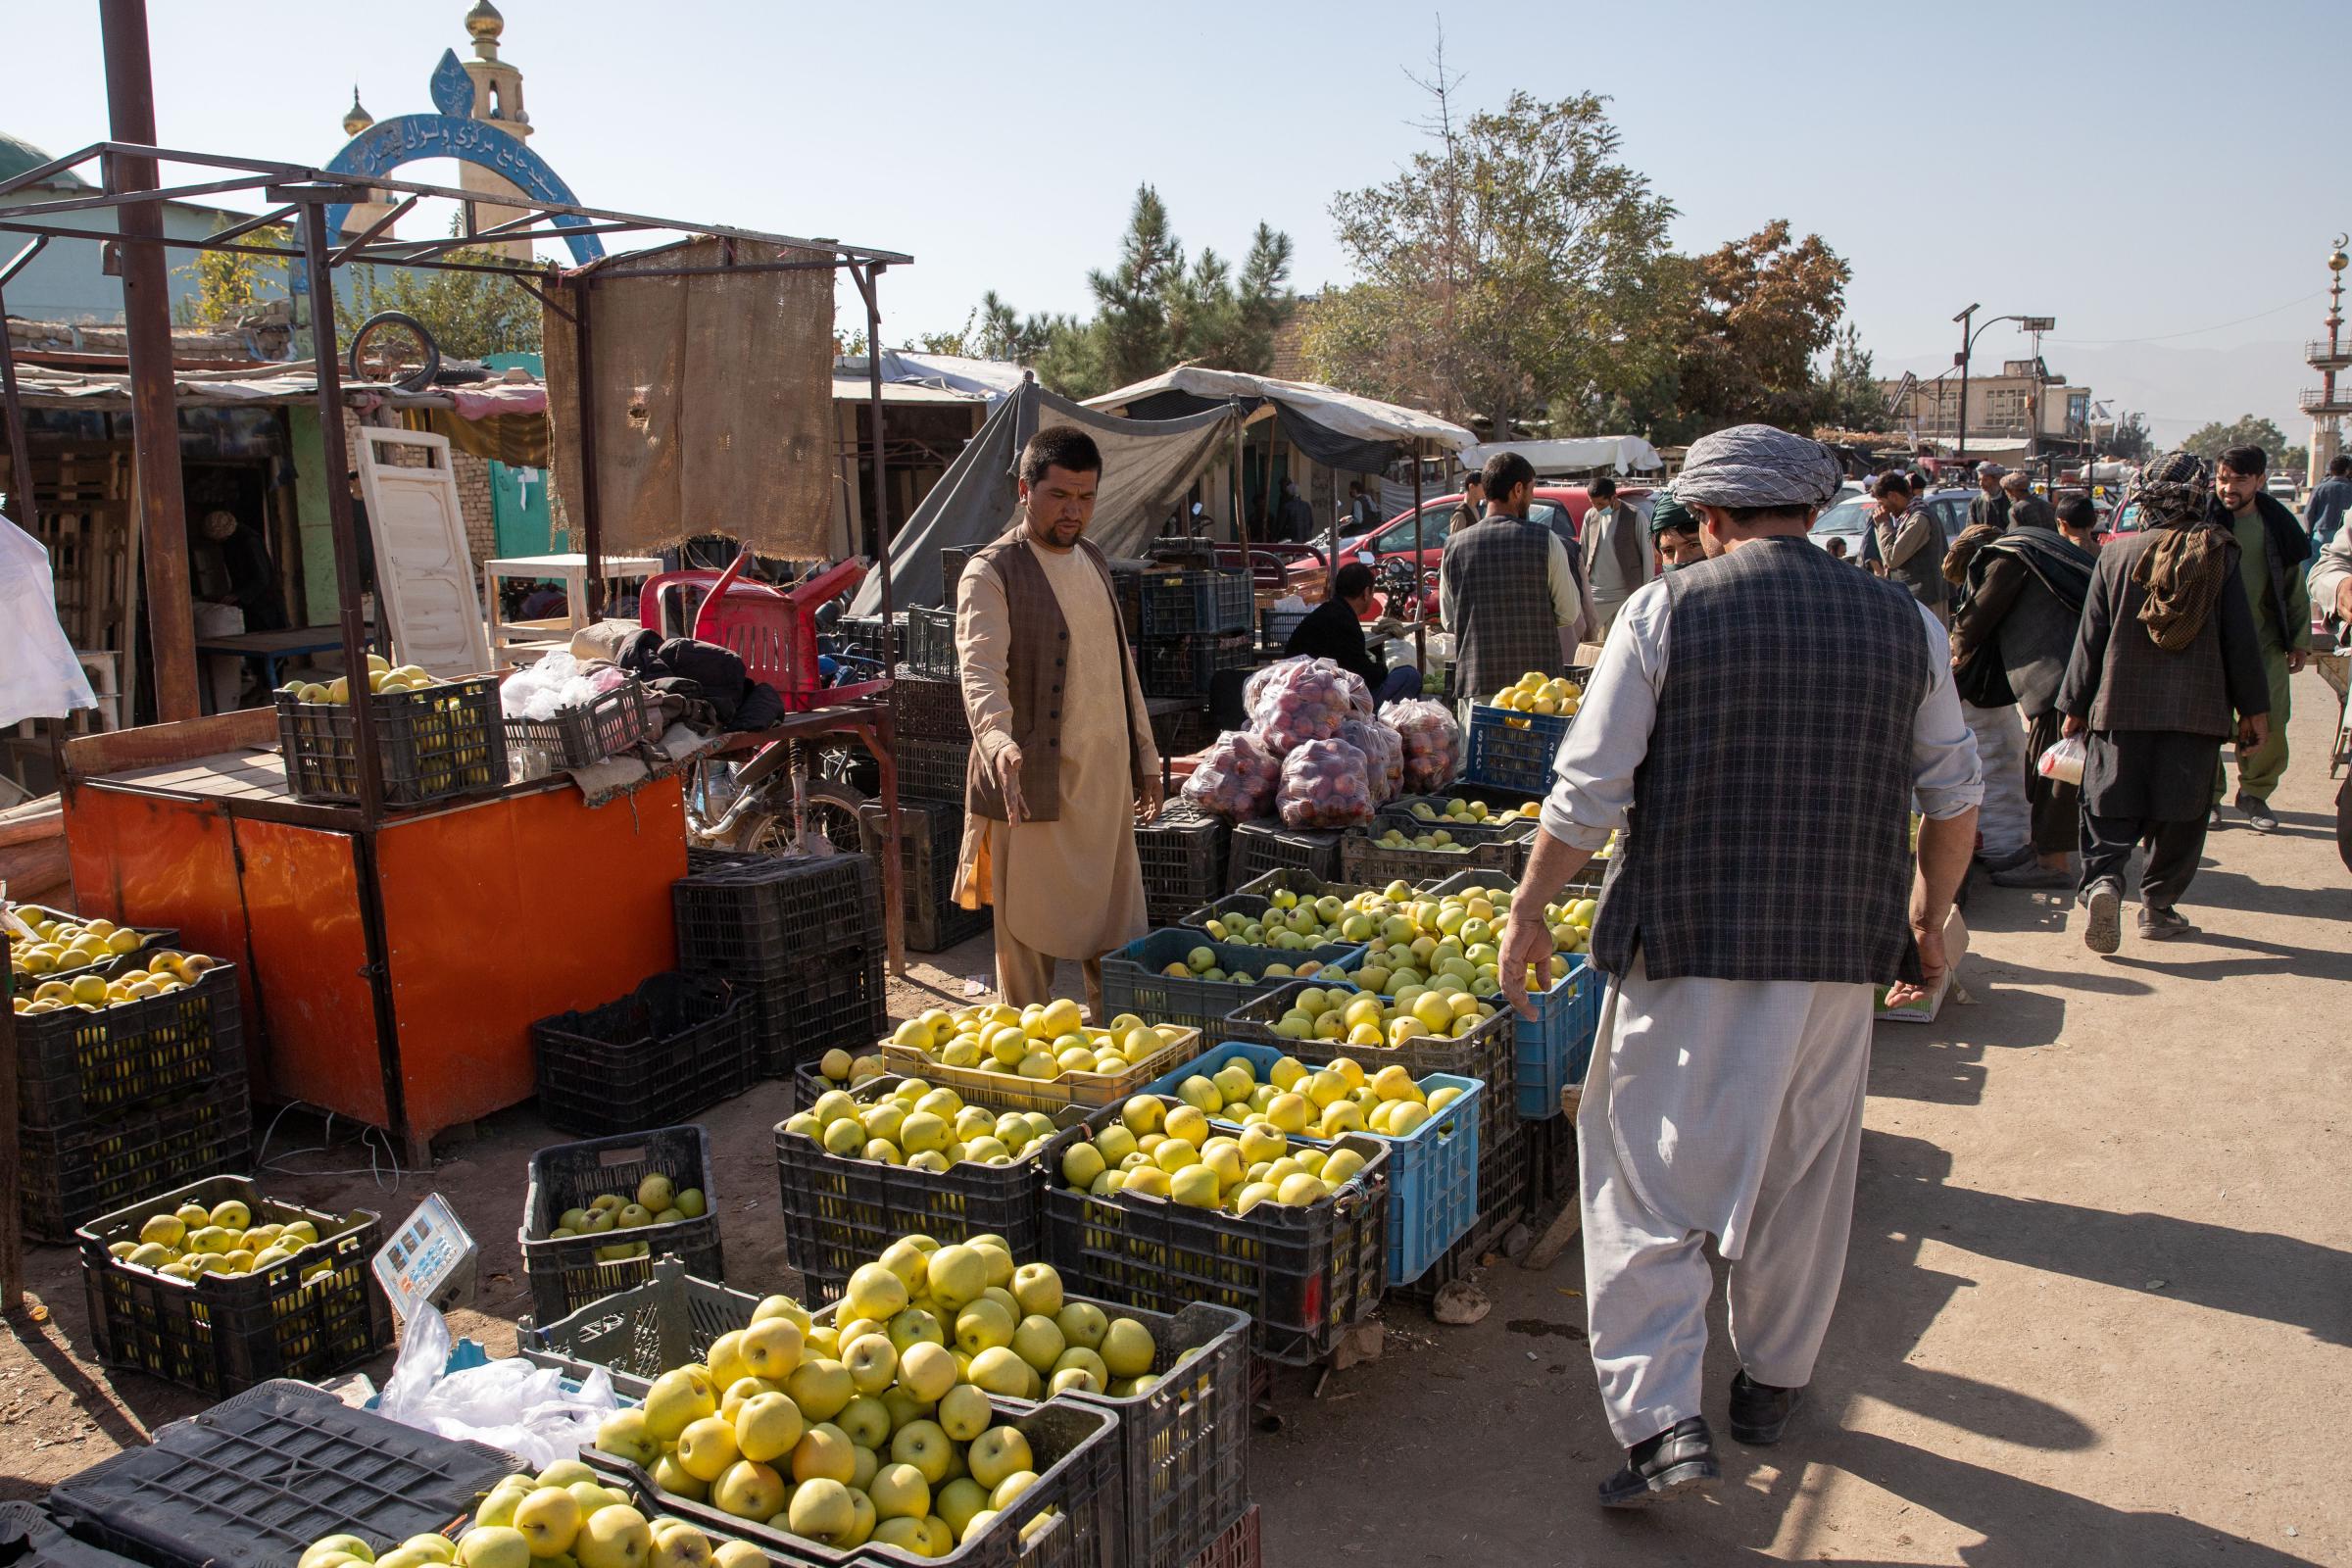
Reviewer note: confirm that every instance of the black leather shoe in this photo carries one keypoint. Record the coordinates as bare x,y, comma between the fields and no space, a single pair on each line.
1679,1459
1760,1412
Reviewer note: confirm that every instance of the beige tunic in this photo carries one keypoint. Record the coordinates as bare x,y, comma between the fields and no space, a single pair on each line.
1070,888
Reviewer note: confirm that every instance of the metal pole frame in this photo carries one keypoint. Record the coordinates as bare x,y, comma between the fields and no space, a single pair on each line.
894,908
1420,621
20,452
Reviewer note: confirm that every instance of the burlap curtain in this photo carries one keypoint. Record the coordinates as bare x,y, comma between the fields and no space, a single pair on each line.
713,399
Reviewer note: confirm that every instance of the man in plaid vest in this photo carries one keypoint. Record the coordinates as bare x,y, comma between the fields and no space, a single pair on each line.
1511,593
1790,709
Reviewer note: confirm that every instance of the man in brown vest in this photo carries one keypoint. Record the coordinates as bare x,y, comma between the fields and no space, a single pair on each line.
1062,761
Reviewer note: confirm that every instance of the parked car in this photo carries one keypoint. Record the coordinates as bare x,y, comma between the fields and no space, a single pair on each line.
2122,521
1849,521
1559,508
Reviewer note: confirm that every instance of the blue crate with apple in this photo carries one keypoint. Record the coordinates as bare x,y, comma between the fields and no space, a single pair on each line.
1161,978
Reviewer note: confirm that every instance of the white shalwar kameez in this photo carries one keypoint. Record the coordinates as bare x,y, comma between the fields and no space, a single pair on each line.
1716,1107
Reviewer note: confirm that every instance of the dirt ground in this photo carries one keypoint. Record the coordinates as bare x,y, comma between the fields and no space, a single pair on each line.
2099,1308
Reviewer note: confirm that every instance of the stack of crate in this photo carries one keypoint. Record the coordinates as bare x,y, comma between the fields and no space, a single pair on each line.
1195,623
930,837
803,936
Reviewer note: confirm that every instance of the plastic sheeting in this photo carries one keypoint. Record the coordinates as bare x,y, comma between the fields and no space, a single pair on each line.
1342,414
1147,467
1624,454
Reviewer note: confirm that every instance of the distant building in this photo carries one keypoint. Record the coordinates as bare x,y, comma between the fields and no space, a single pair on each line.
2026,400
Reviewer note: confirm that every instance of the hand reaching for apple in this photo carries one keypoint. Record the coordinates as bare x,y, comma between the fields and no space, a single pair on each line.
1526,940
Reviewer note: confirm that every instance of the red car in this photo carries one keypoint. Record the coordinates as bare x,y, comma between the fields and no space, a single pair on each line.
1561,507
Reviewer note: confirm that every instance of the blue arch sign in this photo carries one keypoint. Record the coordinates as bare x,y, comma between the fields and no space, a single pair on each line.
454,132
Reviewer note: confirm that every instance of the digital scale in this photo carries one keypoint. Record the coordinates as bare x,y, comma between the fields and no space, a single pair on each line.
429,1261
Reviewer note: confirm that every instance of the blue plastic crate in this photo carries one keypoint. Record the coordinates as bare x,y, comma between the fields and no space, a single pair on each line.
1514,751
1261,1060
1132,981
1553,1052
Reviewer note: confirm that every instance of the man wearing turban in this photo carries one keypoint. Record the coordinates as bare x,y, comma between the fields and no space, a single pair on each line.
1759,725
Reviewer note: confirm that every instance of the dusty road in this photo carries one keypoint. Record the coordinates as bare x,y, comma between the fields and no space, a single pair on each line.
2099,1308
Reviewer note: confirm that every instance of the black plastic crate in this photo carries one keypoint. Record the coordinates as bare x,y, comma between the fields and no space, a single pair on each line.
563,1271
1262,846
318,1312
1303,1275
1274,628
930,646
253,1481
614,721
638,1334
840,1213
70,1174
676,1046
1501,851
762,922
932,770
1236,1546
1187,666
952,559
1075,1448
1254,896
861,636
74,1066
432,744
930,841
831,999
929,709
1183,1441
1181,853
1135,978
30,1539
1192,600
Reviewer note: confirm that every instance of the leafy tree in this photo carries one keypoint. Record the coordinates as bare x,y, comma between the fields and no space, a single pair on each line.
469,313
1851,395
1766,306
1514,269
2130,441
1151,311
229,283
2248,430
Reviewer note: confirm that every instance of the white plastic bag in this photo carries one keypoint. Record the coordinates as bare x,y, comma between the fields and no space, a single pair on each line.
2063,762
510,1405
1236,777
1302,700
1325,784
1432,742
1383,754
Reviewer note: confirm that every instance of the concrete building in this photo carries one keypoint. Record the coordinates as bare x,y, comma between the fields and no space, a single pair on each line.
2024,402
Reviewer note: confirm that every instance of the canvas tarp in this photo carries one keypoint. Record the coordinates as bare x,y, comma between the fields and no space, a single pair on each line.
1624,454
713,399
1147,467
1342,414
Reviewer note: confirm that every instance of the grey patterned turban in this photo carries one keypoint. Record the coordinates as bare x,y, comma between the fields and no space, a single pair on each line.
1757,466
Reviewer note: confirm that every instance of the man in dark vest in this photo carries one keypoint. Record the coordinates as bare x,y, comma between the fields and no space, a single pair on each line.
2272,549
1063,762
1510,592
1758,726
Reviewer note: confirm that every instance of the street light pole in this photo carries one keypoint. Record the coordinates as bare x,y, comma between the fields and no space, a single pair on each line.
1967,338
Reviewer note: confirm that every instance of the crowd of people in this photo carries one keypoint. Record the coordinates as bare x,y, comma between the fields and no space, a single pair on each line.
1840,740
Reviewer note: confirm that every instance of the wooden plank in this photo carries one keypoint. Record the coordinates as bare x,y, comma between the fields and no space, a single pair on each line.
115,751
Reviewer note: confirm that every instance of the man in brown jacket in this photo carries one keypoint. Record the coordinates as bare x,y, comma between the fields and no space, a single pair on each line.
1062,761
2164,653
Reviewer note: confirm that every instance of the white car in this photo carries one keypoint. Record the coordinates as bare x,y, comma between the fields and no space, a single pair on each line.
1849,521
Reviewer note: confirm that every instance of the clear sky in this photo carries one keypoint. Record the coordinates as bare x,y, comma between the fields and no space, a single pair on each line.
2146,171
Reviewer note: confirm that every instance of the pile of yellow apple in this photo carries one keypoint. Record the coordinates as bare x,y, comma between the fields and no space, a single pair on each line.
876,1422
1443,1009
1440,840
1166,1147
1314,1102
60,944
920,1127
658,1201
382,676
1538,693
564,1517
1570,919
1202,965
164,973
1039,1041
1476,812
838,1066
1293,921
193,1241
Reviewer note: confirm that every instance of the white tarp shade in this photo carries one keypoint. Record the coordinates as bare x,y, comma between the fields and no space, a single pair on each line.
1624,454
951,373
1359,419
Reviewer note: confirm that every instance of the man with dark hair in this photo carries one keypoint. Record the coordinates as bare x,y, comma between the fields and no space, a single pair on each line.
1509,591
1334,630
1297,518
2078,520
2166,653
1062,761
1616,551
1758,728
1990,504
1903,544
2271,549
1363,516
2025,597
1674,531
2330,499
1473,504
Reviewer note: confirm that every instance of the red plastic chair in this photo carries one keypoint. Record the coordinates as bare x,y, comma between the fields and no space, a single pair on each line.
773,630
